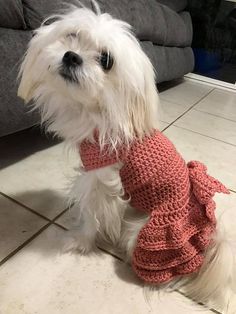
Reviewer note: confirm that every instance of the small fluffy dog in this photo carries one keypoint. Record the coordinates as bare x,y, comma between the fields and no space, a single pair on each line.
95,88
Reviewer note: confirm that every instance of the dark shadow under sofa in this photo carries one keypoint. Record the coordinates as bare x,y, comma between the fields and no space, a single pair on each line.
163,27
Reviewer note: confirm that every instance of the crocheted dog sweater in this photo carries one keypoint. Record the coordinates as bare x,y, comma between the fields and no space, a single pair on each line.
177,197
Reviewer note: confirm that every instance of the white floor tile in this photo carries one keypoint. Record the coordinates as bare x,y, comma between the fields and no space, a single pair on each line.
207,124
39,181
186,93
219,157
221,103
39,280
169,111
16,226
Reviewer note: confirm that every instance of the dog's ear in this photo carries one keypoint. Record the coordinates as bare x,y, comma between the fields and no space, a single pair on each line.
26,74
30,70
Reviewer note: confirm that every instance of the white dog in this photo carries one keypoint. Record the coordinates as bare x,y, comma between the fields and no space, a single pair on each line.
95,88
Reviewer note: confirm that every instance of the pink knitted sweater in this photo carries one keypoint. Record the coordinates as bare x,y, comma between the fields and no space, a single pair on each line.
178,198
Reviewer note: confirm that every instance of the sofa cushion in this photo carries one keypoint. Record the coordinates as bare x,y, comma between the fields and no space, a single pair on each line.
176,5
37,10
188,27
14,115
11,14
169,62
151,22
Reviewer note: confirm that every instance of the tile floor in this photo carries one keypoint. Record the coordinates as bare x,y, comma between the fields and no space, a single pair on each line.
35,277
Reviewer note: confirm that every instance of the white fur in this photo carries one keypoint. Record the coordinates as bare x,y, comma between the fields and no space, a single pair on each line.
215,275
120,104
97,197
126,95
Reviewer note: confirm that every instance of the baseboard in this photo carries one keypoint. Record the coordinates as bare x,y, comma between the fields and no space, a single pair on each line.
210,81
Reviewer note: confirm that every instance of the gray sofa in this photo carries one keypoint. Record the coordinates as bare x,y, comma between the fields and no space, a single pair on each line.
162,26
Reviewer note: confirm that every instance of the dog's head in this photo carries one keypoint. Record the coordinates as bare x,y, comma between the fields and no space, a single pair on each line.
86,62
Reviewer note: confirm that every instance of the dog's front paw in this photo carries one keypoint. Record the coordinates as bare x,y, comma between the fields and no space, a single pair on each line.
77,242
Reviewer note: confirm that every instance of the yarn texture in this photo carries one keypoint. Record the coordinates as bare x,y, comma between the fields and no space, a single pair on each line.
177,196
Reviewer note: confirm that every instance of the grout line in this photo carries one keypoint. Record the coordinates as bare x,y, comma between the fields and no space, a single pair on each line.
213,138
60,226
50,223
59,215
199,303
66,229
109,253
215,311
5,259
214,115
14,252
97,246
191,107
165,128
35,212
170,101
25,206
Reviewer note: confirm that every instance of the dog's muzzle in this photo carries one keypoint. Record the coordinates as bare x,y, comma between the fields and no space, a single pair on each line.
70,63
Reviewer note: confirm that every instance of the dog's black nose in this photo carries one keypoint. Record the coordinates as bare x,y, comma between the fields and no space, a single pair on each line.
71,58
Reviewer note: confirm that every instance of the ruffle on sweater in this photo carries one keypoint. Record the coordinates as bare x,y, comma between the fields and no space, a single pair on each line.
204,186
166,275
163,252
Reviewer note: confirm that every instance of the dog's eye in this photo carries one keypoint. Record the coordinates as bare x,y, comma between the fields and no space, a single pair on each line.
106,60
51,20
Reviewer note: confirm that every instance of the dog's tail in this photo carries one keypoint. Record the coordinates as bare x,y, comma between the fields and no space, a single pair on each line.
215,283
